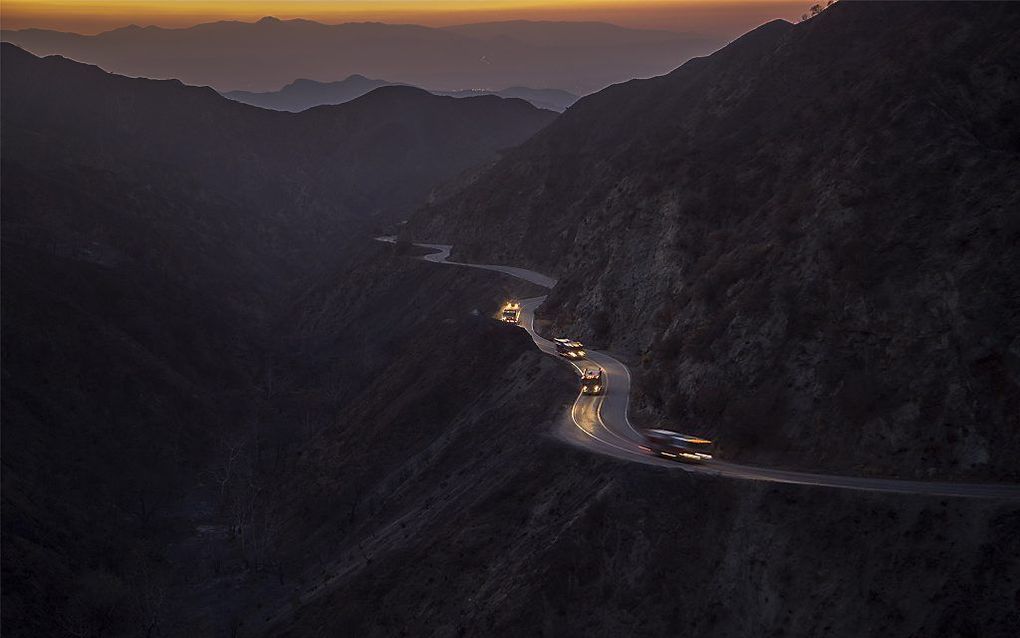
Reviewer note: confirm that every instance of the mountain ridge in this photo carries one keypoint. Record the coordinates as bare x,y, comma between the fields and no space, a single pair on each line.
460,155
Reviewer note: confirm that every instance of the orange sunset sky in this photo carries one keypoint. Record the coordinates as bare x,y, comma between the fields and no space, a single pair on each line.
725,18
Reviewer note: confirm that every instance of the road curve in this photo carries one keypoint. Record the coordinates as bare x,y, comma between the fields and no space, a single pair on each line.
601,423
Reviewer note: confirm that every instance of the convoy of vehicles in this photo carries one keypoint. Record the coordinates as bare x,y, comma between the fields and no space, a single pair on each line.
673,445
570,349
658,442
593,381
511,312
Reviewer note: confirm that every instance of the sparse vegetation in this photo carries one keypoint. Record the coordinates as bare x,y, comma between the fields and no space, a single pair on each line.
816,9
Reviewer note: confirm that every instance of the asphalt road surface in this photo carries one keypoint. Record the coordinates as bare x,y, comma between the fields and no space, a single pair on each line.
601,424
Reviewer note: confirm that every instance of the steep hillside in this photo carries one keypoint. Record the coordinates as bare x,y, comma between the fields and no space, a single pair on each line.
154,236
436,503
807,241
263,55
419,477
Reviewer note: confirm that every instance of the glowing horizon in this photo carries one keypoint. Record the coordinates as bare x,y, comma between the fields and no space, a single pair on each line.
718,17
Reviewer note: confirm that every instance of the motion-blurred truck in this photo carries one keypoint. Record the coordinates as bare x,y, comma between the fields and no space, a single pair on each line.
570,349
681,447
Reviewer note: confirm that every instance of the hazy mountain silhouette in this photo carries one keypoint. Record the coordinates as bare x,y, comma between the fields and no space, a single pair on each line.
267,54
552,99
772,228
304,94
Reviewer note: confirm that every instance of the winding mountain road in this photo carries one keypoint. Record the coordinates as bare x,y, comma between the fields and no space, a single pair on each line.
601,423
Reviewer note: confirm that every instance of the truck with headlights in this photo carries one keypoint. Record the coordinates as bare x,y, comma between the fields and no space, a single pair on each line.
511,312
593,381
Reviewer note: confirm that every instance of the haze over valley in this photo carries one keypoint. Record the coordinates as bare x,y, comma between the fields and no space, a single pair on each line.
265,55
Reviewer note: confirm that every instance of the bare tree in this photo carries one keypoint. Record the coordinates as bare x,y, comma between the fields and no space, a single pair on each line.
225,467
264,534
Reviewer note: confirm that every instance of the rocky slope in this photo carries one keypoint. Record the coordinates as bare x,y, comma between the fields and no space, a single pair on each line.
436,503
806,242
427,497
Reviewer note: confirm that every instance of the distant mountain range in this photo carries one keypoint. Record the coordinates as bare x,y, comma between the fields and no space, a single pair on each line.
579,57
304,94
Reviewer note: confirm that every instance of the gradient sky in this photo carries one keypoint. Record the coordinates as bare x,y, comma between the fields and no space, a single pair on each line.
726,18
